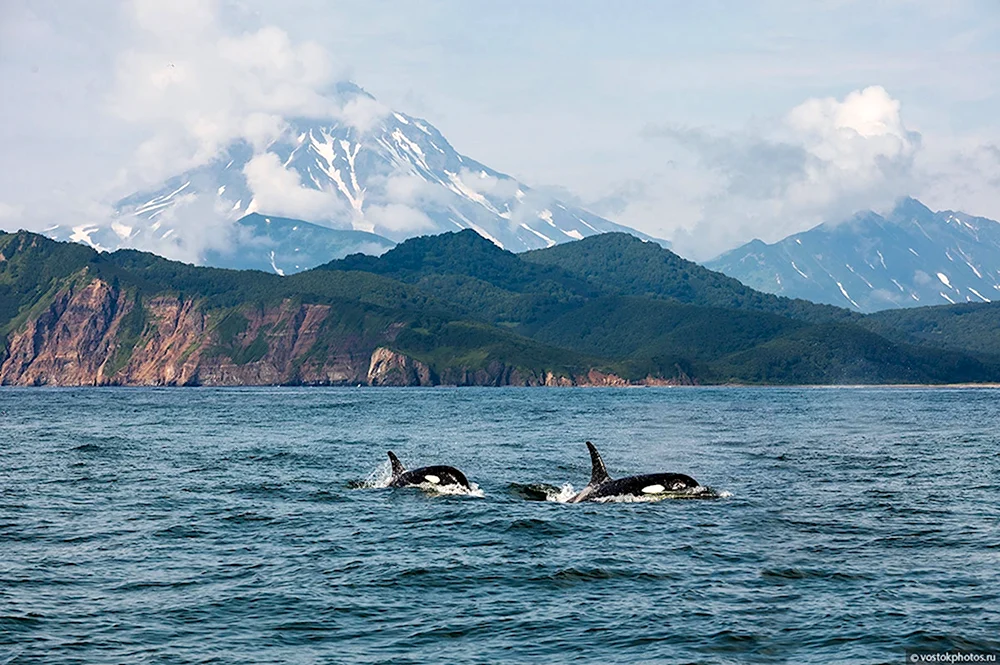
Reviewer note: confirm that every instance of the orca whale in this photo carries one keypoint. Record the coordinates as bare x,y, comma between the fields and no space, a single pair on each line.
601,485
425,475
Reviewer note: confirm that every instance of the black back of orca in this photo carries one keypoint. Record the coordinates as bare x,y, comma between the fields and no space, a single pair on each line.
601,485
426,475
645,485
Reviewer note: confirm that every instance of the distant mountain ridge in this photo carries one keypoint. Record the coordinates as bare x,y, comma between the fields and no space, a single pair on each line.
398,179
452,309
908,258
291,245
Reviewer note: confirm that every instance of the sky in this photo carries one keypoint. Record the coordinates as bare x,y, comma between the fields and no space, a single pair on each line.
707,124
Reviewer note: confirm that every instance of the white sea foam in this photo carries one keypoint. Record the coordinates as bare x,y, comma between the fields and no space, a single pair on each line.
380,477
565,493
453,490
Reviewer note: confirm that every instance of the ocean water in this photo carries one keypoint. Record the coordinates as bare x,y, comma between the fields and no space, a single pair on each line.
242,526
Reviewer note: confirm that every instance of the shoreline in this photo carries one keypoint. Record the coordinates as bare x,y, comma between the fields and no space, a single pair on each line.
803,386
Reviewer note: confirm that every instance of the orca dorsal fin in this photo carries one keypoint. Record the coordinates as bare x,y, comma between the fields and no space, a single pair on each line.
598,474
397,467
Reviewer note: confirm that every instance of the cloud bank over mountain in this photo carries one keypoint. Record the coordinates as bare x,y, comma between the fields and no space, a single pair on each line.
825,159
195,87
755,124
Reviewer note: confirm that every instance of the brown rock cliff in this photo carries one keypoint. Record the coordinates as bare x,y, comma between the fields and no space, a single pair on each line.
91,334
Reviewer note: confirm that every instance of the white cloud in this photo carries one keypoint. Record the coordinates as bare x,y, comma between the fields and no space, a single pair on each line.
188,78
410,189
824,160
262,129
362,113
195,88
397,221
200,224
490,185
279,191
858,136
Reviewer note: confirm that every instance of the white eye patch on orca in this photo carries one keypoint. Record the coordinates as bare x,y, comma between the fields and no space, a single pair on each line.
432,479
653,489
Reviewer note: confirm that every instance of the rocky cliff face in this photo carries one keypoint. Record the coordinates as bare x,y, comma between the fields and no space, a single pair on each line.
68,342
93,333
82,338
390,368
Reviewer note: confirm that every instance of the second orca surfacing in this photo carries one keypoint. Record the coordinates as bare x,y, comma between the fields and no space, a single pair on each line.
647,486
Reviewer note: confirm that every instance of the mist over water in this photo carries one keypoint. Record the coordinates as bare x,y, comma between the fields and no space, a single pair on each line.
249,526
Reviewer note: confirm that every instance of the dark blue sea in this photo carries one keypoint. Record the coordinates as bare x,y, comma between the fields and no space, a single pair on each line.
246,526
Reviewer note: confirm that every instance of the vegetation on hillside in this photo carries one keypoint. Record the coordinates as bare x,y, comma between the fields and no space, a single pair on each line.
625,265
967,327
459,304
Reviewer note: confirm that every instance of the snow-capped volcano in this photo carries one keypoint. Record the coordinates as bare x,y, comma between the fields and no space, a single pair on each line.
910,257
396,177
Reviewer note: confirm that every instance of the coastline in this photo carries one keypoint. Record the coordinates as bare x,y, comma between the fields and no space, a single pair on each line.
772,386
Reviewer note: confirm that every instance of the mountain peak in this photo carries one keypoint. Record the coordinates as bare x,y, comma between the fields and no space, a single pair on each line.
436,252
351,89
370,169
910,208
912,257
426,248
453,260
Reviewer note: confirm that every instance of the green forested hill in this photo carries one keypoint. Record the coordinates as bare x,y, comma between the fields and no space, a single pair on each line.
967,327
470,312
650,311
481,280
468,254
623,264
